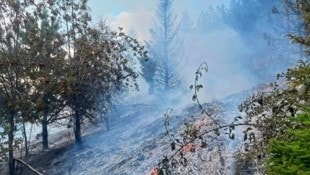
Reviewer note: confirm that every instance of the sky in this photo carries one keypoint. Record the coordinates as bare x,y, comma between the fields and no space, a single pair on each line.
137,14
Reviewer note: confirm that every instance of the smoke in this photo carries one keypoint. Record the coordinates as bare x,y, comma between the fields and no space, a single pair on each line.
228,52
221,50
139,21
237,55
225,49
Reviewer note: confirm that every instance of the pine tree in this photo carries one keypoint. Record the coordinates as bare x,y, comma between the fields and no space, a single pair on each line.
164,48
187,23
211,19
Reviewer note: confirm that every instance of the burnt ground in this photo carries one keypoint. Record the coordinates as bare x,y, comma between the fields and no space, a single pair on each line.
65,158
134,144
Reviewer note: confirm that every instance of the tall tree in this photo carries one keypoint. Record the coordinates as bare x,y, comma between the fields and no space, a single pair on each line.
211,19
255,20
13,87
75,19
164,48
301,36
47,73
98,63
187,23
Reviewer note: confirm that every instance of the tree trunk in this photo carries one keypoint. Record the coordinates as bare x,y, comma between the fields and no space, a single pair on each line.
11,144
106,121
25,139
77,129
44,131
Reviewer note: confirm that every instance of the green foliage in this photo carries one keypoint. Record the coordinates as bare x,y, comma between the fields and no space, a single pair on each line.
270,109
290,154
299,79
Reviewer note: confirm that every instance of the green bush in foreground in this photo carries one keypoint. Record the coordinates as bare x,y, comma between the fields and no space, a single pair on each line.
290,154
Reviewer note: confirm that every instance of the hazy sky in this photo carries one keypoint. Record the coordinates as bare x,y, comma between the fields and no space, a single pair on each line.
224,76
137,14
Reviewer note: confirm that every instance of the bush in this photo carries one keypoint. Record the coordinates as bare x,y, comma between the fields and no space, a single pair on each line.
290,154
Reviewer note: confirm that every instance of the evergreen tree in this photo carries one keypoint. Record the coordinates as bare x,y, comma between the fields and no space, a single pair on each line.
255,20
211,19
164,48
301,8
187,23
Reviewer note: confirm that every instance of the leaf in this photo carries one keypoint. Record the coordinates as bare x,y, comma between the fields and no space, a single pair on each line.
172,145
183,161
245,137
174,163
232,136
238,117
217,132
193,149
203,145
231,127
252,136
246,147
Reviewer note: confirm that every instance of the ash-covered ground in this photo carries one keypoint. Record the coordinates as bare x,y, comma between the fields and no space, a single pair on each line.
137,141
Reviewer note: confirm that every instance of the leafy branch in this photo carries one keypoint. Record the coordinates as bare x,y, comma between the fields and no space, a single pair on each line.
193,132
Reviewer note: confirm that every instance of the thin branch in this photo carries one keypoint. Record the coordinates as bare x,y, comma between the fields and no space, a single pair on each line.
205,133
28,166
196,92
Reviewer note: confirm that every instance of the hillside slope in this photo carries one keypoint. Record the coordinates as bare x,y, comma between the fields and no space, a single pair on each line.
137,141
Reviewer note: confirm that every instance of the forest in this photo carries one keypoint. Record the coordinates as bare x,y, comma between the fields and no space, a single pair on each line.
224,90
